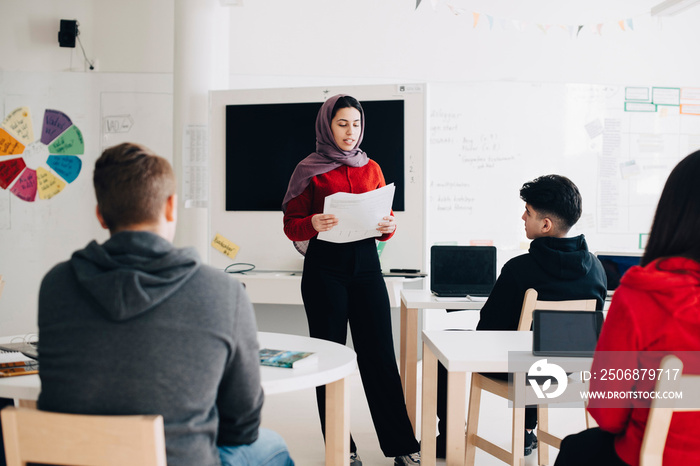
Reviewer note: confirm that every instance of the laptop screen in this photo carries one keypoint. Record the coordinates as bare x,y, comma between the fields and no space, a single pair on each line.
616,264
462,270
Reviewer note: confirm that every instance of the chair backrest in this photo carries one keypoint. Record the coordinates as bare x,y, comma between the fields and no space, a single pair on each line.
33,436
531,303
662,410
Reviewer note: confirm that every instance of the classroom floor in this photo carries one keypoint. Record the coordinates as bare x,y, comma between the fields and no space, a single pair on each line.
295,417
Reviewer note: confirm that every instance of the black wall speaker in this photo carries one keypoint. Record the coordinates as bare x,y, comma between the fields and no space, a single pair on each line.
68,33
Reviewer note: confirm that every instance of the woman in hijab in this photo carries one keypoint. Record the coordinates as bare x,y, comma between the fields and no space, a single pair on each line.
342,282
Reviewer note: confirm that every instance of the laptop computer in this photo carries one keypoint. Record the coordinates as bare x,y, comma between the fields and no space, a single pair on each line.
460,271
566,333
615,265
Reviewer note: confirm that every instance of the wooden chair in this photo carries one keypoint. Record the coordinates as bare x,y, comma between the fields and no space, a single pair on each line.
662,410
33,436
501,388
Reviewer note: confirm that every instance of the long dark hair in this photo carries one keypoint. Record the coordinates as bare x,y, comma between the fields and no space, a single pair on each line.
676,227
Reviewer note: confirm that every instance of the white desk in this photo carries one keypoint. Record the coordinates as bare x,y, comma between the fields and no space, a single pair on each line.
335,363
411,301
462,353
285,287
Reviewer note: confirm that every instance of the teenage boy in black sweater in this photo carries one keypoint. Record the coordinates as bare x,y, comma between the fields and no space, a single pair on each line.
557,266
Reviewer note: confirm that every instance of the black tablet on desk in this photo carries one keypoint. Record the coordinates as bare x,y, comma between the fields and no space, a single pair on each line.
566,333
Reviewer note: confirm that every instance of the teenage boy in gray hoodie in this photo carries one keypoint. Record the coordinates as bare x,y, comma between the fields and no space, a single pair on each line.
137,326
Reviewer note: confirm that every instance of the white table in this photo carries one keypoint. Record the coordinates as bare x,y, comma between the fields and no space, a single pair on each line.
462,353
285,287
411,301
335,363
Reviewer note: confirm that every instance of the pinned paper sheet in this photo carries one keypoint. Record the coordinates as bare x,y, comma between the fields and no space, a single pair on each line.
19,124
9,170
68,143
224,246
55,123
48,184
25,188
9,145
67,166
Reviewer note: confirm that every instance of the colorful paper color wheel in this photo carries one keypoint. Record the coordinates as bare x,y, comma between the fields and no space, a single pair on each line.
60,138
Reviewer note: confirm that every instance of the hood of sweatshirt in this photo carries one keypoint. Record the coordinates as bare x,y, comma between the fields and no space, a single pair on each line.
563,258
133,272
673,283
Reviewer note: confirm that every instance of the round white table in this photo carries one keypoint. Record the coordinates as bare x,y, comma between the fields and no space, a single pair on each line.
334,364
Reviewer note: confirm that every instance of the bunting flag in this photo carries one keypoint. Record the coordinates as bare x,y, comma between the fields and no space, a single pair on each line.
455,11
574,31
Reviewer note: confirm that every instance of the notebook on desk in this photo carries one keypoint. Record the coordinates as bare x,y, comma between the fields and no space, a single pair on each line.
461,271
27,348
615,265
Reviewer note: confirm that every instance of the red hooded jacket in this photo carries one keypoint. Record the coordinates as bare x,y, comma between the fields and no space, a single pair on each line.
656,309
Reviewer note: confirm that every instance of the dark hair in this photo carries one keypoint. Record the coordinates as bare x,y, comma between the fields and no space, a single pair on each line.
674,231
132,185
555,196
345,102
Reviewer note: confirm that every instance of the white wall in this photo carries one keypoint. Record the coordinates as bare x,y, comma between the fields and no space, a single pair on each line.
128,36
277,43
331,42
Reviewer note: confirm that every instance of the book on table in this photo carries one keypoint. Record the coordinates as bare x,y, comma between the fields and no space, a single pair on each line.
15,363
287,358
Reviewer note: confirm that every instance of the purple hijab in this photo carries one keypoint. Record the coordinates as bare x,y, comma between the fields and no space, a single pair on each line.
328,155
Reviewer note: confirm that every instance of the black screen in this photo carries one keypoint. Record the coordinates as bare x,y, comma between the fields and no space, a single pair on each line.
616,266
566,333
265,142
462,270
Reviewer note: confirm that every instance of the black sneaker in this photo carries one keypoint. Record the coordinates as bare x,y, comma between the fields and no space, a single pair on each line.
355,459
412,459
530,442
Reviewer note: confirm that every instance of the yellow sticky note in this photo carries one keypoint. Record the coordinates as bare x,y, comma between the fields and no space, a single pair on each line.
48,184
224,246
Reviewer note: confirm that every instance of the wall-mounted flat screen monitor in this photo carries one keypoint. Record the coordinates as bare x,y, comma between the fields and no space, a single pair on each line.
264,143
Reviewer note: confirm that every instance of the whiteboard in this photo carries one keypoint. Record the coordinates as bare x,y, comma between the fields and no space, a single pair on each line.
260,236
617,143
34,236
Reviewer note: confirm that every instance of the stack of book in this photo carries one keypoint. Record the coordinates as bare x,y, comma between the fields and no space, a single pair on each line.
15,363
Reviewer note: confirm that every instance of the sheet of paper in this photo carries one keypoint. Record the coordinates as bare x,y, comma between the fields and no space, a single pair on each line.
358,214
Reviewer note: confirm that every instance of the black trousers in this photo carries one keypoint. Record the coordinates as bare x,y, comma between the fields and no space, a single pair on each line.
530,411
592,446
3,402
343,283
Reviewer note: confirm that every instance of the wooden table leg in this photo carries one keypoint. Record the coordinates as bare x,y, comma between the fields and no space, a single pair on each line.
402,345
428,408
338,423
27,404
408,359
456,409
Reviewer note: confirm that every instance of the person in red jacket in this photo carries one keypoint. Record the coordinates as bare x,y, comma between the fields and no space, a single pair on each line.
342,282
654,312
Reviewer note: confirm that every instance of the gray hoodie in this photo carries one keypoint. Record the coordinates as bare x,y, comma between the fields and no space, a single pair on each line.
136,326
